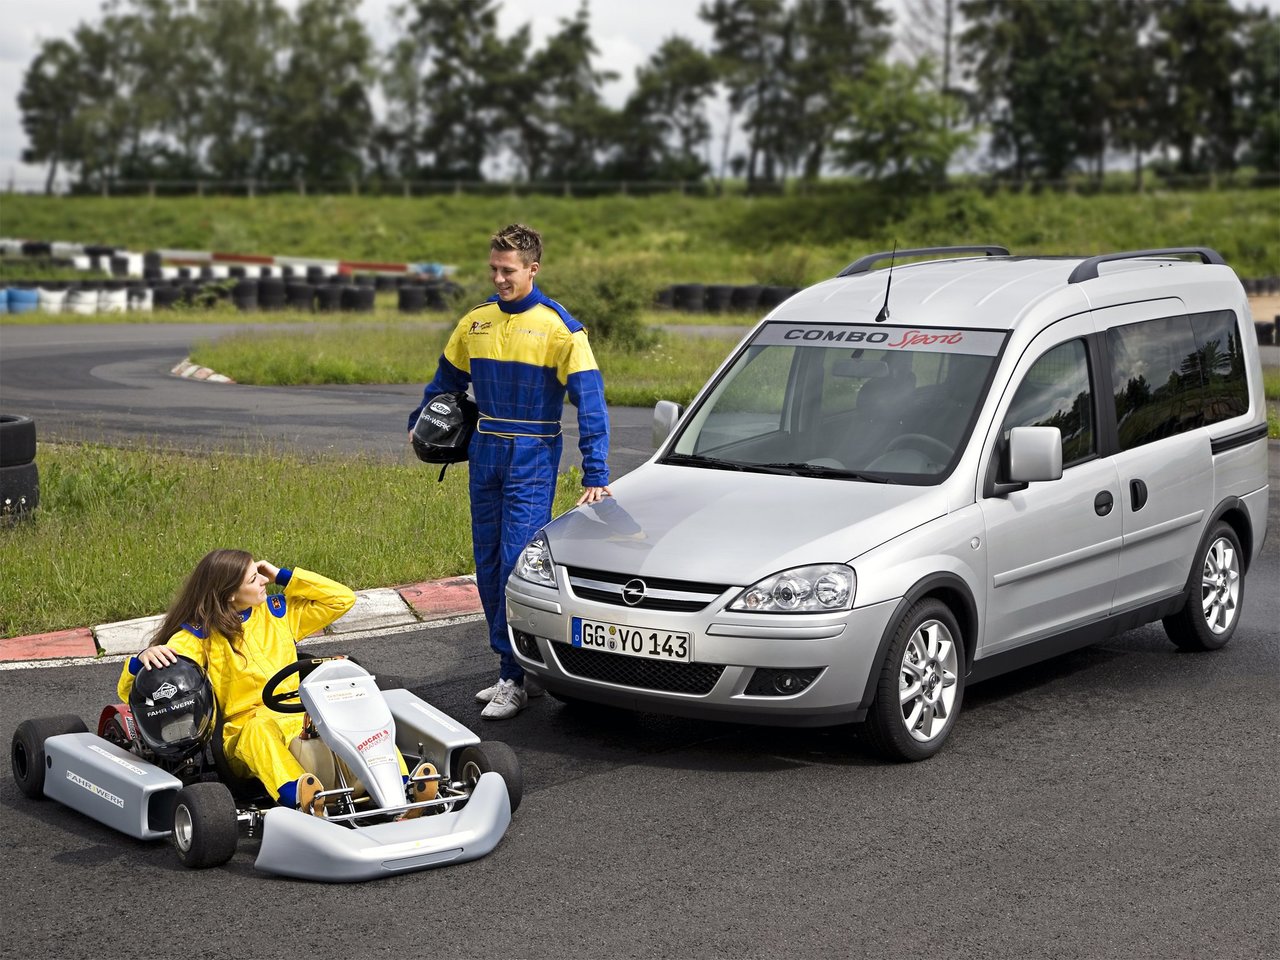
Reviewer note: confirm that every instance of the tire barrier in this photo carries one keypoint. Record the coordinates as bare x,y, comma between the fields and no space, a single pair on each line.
1266,332
272,294
328,298
245,294
301,296
53,301
721,298
113,301
357,299
82,301
412,299
19,476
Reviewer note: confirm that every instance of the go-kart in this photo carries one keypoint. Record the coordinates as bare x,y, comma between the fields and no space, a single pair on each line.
201,804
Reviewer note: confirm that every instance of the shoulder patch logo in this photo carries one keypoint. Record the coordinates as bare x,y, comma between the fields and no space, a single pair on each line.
276,604
479,327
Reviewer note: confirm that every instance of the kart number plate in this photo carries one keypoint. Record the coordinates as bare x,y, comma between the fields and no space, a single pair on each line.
631,641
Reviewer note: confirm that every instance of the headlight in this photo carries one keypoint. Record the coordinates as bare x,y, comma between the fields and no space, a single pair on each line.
535,563
817,589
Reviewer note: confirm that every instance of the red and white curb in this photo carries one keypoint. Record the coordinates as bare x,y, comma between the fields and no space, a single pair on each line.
378,612
191,371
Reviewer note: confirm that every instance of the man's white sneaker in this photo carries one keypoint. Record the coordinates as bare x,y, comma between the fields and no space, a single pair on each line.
532,688
507,702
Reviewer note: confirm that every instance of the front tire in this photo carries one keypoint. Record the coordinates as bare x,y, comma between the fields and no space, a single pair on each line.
1209,617
26,751
205,827
491,756
921,686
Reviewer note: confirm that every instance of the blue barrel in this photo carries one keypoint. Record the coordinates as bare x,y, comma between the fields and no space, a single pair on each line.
23,301
4,299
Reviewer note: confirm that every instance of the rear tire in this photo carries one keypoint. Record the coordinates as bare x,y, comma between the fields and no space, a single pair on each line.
491,756
921,685
205,828
26,752
1214,595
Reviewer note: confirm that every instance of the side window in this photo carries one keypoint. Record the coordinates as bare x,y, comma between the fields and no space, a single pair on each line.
1056,392
1156,374
1226,388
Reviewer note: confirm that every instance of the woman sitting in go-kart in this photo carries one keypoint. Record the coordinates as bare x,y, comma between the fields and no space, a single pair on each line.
226,623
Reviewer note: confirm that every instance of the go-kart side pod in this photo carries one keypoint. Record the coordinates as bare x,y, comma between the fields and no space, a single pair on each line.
295,844
115,787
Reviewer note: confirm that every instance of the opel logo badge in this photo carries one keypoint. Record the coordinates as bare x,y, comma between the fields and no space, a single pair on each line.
633,592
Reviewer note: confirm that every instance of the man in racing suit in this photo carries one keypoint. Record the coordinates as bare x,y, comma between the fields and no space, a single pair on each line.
521,352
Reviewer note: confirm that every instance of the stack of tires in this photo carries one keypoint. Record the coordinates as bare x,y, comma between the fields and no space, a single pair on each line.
19,479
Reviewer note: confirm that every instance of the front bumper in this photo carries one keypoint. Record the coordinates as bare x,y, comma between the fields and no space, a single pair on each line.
295,844
727,651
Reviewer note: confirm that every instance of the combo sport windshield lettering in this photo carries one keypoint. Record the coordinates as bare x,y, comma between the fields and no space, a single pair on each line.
984,343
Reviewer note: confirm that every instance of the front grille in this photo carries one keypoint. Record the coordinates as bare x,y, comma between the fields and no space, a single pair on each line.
605,586
636,672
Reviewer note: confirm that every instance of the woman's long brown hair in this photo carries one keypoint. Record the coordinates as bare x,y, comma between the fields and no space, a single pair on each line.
205,598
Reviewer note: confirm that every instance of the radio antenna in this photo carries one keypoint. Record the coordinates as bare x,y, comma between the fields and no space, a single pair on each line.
883,315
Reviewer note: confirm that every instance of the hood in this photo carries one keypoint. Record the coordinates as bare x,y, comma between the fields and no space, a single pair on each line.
714,526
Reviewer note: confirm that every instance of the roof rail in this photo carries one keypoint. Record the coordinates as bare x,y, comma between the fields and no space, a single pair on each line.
1088,269
864,264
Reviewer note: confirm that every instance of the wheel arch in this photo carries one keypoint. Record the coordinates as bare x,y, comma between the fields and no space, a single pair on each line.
951,590
1235,514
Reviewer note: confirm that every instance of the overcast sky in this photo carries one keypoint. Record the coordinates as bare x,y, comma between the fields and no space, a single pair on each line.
625,31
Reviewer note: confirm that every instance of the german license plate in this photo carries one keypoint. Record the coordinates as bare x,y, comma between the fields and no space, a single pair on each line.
631,641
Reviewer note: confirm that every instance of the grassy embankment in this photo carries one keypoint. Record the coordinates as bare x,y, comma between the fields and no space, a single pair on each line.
118,529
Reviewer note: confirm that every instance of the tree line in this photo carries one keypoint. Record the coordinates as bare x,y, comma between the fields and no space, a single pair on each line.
247,90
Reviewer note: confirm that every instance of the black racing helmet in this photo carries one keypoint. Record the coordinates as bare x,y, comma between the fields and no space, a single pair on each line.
443,431
174,708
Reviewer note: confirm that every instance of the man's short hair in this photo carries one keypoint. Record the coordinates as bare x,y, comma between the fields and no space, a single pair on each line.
526,241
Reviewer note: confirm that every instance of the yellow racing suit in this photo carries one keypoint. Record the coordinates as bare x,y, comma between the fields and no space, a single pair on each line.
255,738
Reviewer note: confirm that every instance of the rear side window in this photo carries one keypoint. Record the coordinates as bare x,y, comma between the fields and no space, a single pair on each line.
1056,393
1176,374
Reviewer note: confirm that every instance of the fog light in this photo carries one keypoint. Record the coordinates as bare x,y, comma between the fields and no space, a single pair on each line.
527,644
781,683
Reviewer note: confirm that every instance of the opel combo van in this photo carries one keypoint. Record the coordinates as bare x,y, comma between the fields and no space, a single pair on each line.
912,477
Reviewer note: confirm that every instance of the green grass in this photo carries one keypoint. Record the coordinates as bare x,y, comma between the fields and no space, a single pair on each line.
118,529
406,352
790,240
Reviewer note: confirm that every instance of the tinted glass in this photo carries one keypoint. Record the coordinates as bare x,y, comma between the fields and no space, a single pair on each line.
1226,388
1056,393
1176,374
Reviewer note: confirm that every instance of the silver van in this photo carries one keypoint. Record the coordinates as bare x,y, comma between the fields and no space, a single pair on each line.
912,477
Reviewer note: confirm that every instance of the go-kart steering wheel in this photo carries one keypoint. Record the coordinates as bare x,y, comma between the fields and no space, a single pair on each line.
289,702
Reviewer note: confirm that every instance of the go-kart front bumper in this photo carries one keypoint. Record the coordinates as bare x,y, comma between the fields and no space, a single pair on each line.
295,844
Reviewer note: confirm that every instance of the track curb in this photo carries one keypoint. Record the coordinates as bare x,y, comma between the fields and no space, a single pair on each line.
376,609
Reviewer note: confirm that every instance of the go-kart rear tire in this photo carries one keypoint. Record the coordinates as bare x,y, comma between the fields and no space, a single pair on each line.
205,828
26,753
496,757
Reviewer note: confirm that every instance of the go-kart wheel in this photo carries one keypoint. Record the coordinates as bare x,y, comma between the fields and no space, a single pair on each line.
491,756
26,753
205,828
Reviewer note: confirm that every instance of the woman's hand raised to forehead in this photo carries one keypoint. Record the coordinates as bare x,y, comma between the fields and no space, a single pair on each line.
268,570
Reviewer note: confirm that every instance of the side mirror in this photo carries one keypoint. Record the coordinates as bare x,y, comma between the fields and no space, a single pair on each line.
1035,453
666,415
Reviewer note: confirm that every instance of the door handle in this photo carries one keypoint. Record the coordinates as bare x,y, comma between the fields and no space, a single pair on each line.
1103,503
1137,494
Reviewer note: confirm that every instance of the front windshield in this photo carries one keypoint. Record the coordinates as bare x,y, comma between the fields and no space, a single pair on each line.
875,403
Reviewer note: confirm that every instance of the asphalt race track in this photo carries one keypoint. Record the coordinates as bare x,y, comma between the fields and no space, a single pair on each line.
1120,801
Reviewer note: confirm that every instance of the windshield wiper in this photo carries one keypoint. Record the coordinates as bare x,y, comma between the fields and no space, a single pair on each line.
802,469
695,460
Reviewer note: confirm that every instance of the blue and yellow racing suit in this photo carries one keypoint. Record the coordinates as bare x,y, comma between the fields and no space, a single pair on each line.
255,738
521,359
